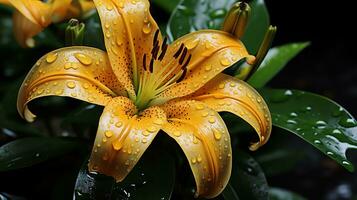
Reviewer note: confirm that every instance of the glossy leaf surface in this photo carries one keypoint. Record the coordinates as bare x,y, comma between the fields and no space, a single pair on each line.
247,178
274,62
153,177
316,119
27,152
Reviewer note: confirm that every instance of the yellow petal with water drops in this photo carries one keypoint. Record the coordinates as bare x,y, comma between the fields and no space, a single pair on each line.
129,33
123,136
210,52
83,73
25,30
36,11
204,138
226,93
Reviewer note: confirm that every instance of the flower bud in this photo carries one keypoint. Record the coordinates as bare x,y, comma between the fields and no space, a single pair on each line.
74,33
237,19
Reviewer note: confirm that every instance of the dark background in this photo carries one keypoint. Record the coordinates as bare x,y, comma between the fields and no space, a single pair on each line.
328,66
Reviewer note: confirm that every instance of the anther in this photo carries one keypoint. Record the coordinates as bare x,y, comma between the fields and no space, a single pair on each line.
182,75
155,37
163,52
183,56
177,54
151,65
187,61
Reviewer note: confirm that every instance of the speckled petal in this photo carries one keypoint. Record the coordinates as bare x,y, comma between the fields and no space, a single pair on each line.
212,52
205,140
123,136
128,32
83,73
226,93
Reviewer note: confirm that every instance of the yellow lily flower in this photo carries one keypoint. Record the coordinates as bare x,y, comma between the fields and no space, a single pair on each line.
147,86
32,16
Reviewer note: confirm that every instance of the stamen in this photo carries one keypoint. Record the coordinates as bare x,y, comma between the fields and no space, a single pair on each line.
144,62
187,61
182,76
155,49
152,65
184,67
155,37
183,56
163,49
177,54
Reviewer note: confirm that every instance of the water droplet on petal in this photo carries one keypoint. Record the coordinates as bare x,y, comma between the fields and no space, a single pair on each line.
117,145
147,28
152,129
84,59
225,62
191,44
71,84
211,120
217,135
177,133
51,57
118,124
193,160
108,134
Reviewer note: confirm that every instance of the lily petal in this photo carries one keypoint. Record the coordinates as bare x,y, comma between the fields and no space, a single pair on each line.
204,138
226,93
123,136
212,52
25,30
6,2
60,10
36,11
129,31
83,73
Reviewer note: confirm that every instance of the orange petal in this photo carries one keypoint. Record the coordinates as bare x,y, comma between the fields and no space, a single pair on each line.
128,32
226,93
86,6
36,11
83,73
123,136
205,140
6,2
24,30
60,10
212,52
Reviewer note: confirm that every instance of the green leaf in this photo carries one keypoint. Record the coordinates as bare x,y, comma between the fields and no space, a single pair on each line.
153,177
192,15
27,152
276,60
247,178
282,194
271,161
316,119
229,193
168,6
